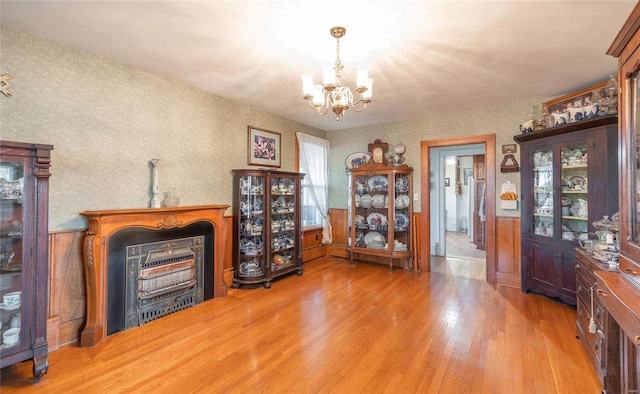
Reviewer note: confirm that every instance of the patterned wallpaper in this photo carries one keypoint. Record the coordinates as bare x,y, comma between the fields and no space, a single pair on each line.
502,121
107,120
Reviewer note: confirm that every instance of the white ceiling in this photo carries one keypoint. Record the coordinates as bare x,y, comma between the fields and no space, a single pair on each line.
426,56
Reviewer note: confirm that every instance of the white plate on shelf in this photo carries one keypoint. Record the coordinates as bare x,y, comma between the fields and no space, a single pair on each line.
356,159
402,201
374,237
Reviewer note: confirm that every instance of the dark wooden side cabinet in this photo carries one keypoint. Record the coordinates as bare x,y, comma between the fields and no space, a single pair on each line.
619,290
24,196
267,226
569,179
593,323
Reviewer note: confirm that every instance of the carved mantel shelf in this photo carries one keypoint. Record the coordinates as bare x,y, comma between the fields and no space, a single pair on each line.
103,224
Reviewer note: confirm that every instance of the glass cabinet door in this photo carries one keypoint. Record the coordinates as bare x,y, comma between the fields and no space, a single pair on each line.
402,213
11,251
543,214
634,168
371,208
283,223
574,183
251,204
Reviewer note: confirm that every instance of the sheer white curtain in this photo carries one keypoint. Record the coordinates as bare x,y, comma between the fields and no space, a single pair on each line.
314,161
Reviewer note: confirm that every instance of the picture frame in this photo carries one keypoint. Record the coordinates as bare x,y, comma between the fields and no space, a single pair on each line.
447,182
509,148
263,147
467,173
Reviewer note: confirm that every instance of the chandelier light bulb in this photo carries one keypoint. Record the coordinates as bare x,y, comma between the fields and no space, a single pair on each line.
317,99
328,77
368,92
363,77
307,85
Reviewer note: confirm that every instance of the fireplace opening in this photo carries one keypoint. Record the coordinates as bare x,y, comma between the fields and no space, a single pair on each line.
152,273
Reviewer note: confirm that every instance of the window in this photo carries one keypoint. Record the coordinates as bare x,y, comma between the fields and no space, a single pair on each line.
314,162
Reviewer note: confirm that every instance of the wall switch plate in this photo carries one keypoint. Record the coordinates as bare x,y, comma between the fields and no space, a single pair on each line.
415,196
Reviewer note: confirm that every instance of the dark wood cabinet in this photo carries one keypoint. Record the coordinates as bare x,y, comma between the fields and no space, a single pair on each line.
595,328
267,230
24,197
619,291
568,179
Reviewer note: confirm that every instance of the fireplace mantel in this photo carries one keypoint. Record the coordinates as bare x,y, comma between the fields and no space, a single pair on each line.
103,224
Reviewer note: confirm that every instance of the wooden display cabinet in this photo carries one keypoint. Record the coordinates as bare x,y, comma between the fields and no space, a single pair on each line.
267,231
24,196
381,214
619,291
569,180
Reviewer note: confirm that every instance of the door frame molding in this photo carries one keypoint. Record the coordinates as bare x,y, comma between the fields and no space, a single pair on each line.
489,141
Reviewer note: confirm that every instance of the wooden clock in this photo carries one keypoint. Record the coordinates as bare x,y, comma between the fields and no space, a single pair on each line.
377,150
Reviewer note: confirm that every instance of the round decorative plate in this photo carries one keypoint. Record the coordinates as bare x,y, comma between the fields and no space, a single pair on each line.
402,201
376,219
356,159
402,222
576,181
378,182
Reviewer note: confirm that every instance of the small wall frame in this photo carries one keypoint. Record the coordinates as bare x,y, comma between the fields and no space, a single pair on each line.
263,147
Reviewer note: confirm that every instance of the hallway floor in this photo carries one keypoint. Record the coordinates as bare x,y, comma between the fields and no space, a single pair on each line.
459,246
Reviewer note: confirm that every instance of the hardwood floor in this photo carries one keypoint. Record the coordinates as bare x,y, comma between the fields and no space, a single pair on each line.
339,329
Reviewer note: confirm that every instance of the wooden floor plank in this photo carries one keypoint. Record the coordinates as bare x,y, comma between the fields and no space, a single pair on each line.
339,328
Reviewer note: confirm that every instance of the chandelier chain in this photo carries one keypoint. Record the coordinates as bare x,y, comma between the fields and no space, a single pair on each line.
338,66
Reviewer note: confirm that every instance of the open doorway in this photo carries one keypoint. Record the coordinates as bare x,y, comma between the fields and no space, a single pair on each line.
433,235
457,201
464,219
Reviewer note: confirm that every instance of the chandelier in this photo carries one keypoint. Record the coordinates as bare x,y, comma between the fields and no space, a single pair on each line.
333,95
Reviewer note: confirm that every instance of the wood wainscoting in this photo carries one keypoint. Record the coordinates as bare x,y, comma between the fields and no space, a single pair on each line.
508,251
312,246
67,294
339,233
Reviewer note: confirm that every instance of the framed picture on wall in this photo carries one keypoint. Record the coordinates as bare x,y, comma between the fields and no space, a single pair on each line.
468,173
264,148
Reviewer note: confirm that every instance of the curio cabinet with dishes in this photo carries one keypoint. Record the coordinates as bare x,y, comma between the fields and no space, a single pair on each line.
381,214
619,290
267,229
24,177
569,179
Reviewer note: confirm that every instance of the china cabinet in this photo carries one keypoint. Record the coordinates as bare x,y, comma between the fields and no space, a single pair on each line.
568,179
380,213
24,177
619,291
267,226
